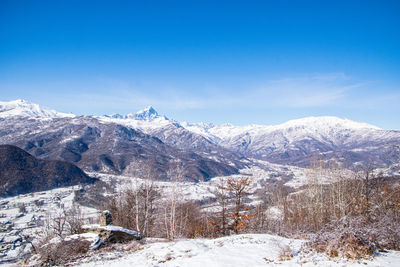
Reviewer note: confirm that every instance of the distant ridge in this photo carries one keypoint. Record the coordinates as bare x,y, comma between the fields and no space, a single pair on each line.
22,173
228,147
25,108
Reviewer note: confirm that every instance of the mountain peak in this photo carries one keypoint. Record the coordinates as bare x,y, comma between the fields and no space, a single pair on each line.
147,114
20,107
21,101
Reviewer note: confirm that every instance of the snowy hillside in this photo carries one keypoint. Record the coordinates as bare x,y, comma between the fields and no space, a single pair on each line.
298,141
175,134
320,127
27,109
236,250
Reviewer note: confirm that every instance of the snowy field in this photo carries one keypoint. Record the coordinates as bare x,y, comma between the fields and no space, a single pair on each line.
17,224
201,190
238,250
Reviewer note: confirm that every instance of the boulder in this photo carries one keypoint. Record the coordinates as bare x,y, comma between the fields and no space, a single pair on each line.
109,233
117,234
105,218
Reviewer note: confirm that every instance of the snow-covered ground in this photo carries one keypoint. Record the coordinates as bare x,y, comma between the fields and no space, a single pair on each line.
15,224
19,224
200,190
227,251
237,250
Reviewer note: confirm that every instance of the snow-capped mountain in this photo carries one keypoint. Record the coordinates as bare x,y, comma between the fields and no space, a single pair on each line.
24,108
322,126
146,114
172,133
103,145
296,142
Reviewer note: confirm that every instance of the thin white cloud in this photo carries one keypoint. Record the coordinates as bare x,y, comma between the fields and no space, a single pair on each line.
307,91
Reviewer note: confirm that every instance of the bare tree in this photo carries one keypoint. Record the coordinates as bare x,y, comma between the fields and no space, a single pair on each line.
135,208
58,222
74,219
239,188
145,196
221,194
171,224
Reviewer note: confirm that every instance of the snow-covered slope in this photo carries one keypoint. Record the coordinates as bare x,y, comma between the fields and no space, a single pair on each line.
24,108
235,250
296,141
322,126
175,134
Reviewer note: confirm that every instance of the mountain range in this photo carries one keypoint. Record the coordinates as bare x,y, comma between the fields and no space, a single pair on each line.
95,144
296,142
126,144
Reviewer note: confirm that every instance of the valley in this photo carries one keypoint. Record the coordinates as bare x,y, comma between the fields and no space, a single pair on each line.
186,163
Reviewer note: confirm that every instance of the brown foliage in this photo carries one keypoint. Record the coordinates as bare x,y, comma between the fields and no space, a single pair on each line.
63,252
238,189
192,222
359,236
345,239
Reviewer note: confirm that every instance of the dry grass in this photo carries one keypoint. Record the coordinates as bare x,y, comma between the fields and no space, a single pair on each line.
348,238
285,253
133,246
63,252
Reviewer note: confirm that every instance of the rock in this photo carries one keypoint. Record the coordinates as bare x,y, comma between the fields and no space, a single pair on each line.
117,234
105,218
110,234
96,244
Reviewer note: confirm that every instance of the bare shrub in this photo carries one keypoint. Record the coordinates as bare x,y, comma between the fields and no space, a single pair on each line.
192,222
356,238
61,222
285,253
63,252
345,244
22,207
74,219
135,208
133,246
38,203
57,223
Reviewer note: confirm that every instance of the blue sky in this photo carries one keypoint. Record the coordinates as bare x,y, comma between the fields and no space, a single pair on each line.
242,62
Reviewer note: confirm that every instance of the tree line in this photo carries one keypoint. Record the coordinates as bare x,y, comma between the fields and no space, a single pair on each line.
362,203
